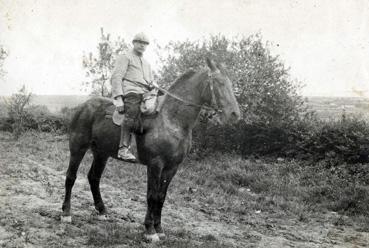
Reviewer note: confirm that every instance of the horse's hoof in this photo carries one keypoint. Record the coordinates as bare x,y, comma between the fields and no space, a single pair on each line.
152,238
102,217
66,219
161,235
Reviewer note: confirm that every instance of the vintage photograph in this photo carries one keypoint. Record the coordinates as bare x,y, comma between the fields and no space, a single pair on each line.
209,123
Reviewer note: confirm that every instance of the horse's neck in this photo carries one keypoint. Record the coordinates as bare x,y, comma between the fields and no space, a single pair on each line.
178,113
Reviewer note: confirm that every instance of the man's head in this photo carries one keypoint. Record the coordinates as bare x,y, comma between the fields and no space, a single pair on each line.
140,42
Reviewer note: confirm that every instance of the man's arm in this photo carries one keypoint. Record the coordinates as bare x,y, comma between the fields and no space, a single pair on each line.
120,69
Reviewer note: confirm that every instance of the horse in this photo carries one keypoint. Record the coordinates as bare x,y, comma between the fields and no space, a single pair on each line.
162,142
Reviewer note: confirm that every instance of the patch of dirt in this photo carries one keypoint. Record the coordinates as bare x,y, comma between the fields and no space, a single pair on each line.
32,188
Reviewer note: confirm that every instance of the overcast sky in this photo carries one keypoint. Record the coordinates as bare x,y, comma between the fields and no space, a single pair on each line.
326,43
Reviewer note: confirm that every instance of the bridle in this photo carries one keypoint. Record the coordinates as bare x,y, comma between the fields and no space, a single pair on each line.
213,100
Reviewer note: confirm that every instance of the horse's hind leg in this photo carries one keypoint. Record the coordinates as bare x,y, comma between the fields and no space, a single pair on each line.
74,162
94,176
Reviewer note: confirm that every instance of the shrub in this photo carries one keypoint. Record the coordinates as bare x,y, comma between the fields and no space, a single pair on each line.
36,117
5,124
346,139
16,106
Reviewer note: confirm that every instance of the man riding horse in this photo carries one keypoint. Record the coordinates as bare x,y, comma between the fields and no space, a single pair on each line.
131,78
166,139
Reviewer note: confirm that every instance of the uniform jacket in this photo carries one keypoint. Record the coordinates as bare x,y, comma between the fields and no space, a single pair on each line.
134,68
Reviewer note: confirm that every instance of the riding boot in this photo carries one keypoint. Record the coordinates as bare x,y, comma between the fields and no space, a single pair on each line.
125,142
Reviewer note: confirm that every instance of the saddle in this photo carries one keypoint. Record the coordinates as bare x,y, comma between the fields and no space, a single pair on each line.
112,113
117,118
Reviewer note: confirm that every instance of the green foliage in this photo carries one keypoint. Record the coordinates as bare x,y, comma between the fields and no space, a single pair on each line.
276,120
41,119
343,188
22,116
99,67
267,96
292,186
16,106
42,123
346,139
261,83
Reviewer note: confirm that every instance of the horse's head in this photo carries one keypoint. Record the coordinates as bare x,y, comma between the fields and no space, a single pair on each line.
222,96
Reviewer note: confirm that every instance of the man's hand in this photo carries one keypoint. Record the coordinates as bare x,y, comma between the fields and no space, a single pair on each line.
120,109
119,103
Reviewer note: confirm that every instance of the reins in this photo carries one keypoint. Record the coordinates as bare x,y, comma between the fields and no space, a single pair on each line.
213,101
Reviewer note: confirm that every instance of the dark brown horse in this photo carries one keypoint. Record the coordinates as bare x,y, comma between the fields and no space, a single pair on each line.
162,146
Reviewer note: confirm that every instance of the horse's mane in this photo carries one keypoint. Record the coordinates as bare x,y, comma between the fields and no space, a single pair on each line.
185,76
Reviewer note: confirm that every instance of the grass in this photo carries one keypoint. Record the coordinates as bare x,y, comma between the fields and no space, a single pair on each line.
230,183
223,187
113,234
288,186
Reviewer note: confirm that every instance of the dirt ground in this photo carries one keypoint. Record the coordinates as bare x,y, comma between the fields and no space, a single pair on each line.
32,173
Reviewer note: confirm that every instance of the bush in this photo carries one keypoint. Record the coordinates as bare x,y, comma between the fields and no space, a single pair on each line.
43,123
342,140
16,106
39,118
5,124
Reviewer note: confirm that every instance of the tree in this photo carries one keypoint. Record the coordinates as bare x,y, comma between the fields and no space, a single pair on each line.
268,97
261,82
16,106
99,67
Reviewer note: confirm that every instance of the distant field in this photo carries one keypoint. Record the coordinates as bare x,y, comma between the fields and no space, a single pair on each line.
56,102
325,107
53,102
333,107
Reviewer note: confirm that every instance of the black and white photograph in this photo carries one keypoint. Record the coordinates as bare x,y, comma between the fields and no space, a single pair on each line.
183,123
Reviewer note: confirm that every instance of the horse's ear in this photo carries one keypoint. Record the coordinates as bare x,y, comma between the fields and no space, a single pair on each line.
211,64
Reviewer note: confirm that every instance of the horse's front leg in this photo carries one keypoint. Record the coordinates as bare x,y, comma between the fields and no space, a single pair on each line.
154,170
159,177
166,177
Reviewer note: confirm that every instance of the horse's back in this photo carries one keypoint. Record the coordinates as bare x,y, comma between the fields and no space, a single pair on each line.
91,107
85,114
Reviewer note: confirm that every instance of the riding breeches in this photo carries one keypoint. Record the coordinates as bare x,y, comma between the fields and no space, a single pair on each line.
132,110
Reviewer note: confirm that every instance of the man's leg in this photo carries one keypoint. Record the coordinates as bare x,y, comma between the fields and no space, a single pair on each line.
125,141
125,135
132,110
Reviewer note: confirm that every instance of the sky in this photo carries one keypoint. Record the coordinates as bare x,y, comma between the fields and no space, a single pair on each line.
325,43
